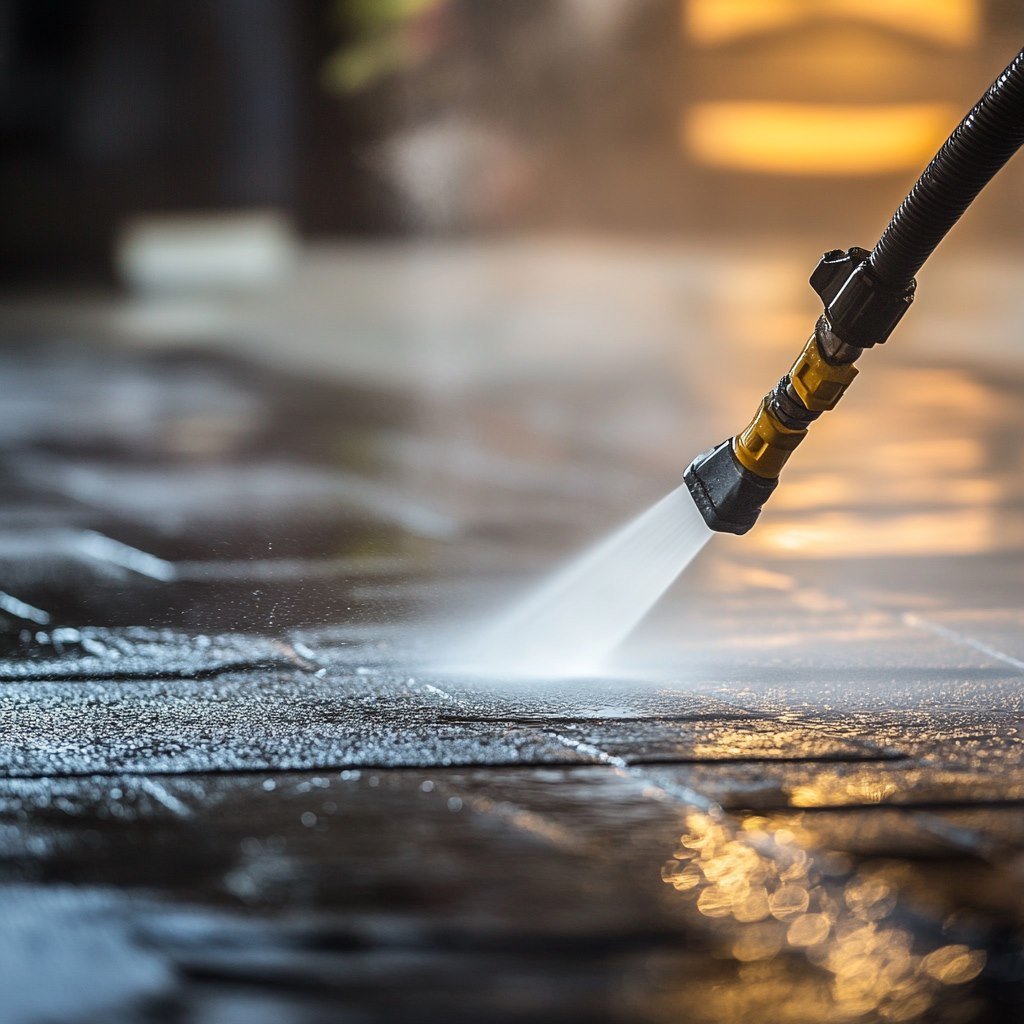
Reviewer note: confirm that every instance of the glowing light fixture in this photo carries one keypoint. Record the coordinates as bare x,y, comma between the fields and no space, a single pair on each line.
815,139
950,22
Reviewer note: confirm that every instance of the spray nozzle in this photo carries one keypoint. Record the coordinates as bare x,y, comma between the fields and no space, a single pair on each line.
731,482
728,496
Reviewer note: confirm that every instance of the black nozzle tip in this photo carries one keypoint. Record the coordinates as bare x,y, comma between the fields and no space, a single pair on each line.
728,496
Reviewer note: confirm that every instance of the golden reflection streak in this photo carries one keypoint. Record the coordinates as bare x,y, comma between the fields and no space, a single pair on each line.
713,22
812,491
950,532
815,139
759,884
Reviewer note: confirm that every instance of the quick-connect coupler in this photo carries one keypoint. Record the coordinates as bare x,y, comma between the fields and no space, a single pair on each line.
731,482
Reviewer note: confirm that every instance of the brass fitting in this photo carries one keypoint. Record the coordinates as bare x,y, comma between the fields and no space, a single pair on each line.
765,444
731,482
818,383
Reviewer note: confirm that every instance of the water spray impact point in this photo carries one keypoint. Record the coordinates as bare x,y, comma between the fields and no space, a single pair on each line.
865,295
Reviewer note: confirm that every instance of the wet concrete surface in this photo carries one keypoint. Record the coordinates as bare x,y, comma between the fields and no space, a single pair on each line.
236,787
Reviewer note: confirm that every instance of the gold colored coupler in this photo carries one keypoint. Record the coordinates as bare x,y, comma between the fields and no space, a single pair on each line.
819,383
766,443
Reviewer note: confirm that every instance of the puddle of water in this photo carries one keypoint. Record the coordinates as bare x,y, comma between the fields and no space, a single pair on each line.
574,621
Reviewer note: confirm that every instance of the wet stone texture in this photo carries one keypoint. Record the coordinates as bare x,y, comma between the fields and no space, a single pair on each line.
236,787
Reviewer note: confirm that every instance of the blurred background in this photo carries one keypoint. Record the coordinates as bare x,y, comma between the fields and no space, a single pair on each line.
683,119
540,226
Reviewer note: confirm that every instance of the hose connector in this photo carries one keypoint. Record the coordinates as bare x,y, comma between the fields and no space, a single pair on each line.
859,307
731,481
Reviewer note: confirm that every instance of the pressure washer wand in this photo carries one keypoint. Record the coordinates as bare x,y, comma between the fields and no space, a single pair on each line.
864,295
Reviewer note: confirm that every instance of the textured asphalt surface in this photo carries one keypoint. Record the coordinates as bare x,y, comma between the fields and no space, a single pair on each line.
235,787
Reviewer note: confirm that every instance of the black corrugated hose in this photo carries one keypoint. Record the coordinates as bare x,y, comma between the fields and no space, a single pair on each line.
968,160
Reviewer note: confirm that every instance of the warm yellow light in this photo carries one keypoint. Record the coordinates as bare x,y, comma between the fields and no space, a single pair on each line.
913,535
815,139
951,22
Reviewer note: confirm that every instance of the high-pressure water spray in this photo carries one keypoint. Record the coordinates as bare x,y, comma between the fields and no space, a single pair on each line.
864,295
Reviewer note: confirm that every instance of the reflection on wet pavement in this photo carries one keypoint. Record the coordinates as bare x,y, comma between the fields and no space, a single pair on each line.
226,576
771,891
